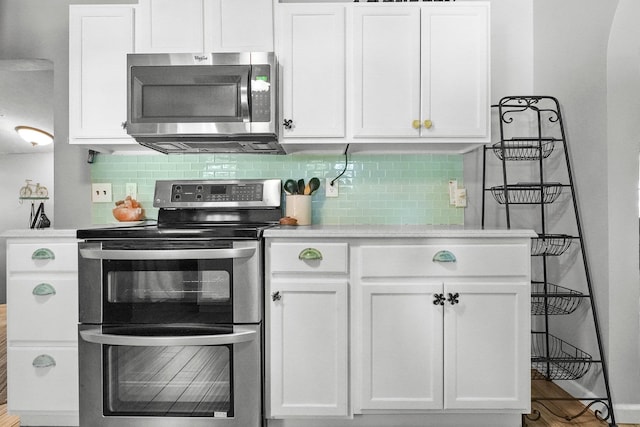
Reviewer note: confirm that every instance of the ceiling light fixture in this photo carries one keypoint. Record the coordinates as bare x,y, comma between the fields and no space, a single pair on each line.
34,136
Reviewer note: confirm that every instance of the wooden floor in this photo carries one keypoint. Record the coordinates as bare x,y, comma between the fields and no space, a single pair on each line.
547,389
539,388
5,420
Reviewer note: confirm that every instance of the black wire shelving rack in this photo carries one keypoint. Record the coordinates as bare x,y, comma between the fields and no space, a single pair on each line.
532,132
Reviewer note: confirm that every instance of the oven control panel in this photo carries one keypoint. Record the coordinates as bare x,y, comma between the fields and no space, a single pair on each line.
202,193
216,193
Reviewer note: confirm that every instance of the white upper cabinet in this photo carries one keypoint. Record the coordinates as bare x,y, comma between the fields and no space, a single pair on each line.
311,55
239,25
386,76
421,72
99,39
170,26
454,91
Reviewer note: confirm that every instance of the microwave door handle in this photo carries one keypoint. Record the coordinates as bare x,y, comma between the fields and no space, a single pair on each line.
95,336
136,255
245,93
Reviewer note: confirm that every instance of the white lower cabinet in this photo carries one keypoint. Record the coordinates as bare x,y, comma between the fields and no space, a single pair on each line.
358,327
440,330
401,359
44,379
308,352
307,329
42,324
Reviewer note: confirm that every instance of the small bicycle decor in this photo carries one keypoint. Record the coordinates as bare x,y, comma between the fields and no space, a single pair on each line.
33,190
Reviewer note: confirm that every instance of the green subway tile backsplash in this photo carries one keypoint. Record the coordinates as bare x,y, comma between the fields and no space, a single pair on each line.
375,189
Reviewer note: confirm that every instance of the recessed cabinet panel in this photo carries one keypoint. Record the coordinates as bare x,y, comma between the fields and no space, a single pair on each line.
455,71
386,77
401,347
486,365
239,25
309,348
99,39
311,54
167,26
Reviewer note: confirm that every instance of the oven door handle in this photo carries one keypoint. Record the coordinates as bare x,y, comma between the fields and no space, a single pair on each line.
97,337
167,254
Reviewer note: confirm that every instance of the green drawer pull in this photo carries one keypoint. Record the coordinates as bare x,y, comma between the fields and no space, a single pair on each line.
43,289
310,254
444,256
43,253
43,361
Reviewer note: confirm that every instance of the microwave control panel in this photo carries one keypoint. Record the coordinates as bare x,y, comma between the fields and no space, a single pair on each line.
261,93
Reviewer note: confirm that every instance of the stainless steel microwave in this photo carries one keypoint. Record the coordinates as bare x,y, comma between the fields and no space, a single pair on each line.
203,102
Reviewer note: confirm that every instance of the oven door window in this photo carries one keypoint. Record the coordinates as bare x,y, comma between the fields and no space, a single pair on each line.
168,381
182,291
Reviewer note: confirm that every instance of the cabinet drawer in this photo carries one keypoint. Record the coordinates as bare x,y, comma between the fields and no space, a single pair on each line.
52,388
455,260
42,310
309,257
42,257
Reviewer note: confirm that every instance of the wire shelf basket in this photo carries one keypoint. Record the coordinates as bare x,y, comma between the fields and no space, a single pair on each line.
557,361
524,148
527,193
558,300
550,244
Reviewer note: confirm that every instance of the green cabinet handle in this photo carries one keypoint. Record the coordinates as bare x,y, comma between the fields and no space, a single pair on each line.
43,361
43,253
444,256
43,289
310,254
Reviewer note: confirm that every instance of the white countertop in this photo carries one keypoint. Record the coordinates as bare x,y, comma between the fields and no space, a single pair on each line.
41,232
398,231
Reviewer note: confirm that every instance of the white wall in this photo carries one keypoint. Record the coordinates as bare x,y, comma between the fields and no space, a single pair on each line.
40,29
623,145
14,169
511,74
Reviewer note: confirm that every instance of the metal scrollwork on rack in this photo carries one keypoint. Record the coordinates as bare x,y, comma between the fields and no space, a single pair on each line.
603,414
523,103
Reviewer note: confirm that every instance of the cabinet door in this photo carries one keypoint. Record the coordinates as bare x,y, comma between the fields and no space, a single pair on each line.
308,348
169,26
487,346
455,71
238,25
311,53
99,39
401,346
386,71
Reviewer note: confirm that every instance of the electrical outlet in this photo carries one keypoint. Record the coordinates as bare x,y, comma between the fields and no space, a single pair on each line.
101,193
332,189
131,189
461,198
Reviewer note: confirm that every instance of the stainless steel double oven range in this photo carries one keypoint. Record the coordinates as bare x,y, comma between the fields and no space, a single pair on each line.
170,329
